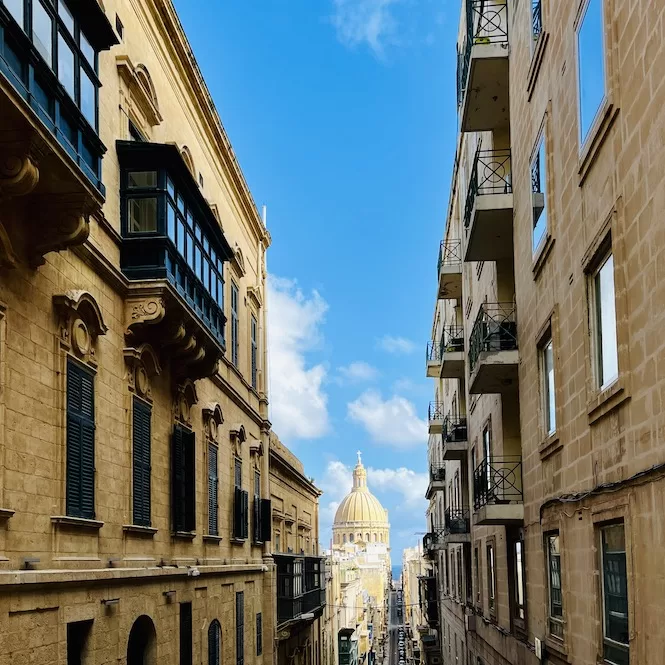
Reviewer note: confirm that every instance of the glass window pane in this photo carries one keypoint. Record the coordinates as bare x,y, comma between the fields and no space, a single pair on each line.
16,9
190,219
66,16
615,593
190,250
170,188
198,231
142,215
66,66
539,195
608,362
591,65
206,246
170,221
87,50
206,274
197,262
180,240
548,378
181,204
88,98
42,36
142,179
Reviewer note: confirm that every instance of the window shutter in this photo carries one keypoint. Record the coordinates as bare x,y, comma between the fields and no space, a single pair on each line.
141,462
177,480
185,634
245,513
266,520
240,628
212,490
214,643
190,480
256,520
237,513
80,475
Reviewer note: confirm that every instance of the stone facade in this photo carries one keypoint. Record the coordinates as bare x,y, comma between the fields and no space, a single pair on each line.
579,455
76,585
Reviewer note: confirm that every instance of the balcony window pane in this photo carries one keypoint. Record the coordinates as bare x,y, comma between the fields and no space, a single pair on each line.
206,245
206,274
591,65
548,387
87,50
181,204
180,240
198,231
88,99
43,97
197,262
539,195
66,16
16,9
170,221
142,215
42,32
606,329
142,179
170,188
190,250
615,594
66,66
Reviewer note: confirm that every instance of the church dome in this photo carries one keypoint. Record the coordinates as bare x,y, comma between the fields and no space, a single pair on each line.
360,506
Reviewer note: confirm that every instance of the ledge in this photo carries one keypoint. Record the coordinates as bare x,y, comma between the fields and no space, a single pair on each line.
540,257
596,138
139,530
209,538
76,522
557,648
549,446
607,400
184,535
237,541
6,513
536,62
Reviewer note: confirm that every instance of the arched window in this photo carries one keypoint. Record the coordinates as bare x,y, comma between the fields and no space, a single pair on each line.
344,537
351,538
367,538
375,537
214,643
142,643
186,155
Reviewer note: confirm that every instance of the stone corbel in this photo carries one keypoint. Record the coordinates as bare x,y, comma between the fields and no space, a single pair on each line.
212,419
8,258
185,399
81,323
142,366
148,310
19,163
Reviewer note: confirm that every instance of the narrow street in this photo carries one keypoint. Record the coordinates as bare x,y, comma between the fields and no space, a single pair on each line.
395,619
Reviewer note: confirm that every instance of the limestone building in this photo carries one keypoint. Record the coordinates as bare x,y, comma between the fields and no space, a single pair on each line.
546,430
415,569
135,514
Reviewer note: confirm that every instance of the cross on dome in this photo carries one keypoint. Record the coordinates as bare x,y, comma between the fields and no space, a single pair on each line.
359,454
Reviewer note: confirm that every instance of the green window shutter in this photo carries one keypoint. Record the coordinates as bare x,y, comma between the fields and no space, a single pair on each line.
240,628
190,480
177,479
237,513
266,520
142,415
245,513
214,643
80,473
213,528
256,520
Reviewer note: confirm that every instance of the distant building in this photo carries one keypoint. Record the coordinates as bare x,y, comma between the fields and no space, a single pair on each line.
414,569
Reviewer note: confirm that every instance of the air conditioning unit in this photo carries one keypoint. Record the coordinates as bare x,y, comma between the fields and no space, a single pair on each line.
470,622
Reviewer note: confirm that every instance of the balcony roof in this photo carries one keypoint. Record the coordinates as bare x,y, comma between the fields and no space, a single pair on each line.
95,23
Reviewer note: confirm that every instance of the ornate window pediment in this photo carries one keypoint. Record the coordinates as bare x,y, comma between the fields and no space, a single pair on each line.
81,323
141,89
238,436
185,399
212,419
143,365
238,261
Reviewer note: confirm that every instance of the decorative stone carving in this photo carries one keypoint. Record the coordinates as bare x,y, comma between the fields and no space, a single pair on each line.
8,258
238,261
238,437
212,419
141,89
255,295
185,399
256,449
142,366
81,323
146,310
20,155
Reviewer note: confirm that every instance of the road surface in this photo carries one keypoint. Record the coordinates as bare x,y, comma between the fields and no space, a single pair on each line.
394,622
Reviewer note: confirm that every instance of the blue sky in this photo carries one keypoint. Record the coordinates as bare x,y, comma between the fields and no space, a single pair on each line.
342,115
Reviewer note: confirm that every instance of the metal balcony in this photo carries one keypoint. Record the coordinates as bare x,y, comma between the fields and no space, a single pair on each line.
433,358
449,269
488,215
497,491
455,439
482,67
435,417
452,353
437,480
493,354
457,525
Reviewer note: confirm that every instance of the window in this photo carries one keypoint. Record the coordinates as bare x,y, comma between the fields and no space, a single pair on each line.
255,347
547,377
590,65
183,494
539,195
459,575
80,477
554,583
259,634
119,28
520,581
476,576
257,507
213,489
143,215
42,30
141,424
16,9
185,634
536,19
234,324
78,634
491,579
214,643
135,134
240,628
278,542
605,338
615,595
240,505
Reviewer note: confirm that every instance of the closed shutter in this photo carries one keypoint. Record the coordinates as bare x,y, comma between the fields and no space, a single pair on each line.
214,643
245,514
212,490
178,480
240,628
237,513
256,520
259,634
185,634
80,475
141,462
266,520
190,481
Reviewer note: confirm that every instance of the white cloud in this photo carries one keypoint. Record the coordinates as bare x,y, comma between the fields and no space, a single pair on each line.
396,345
393,421
357,372
299,407
365,21
408,483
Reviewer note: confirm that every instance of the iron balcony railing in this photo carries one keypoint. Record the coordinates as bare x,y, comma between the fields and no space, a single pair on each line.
457,521
495,329
433,351
437,473
454,429
450,254
486,23
491,174
436,411
452,339
536,18
498,480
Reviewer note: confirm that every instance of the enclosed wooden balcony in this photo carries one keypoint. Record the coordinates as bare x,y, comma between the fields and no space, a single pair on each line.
493,350
488,214
455,439
301,593
482,67
497,491
449,269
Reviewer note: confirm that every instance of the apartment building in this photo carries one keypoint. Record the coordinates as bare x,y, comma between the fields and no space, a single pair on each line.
135,518
546,432
414,568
